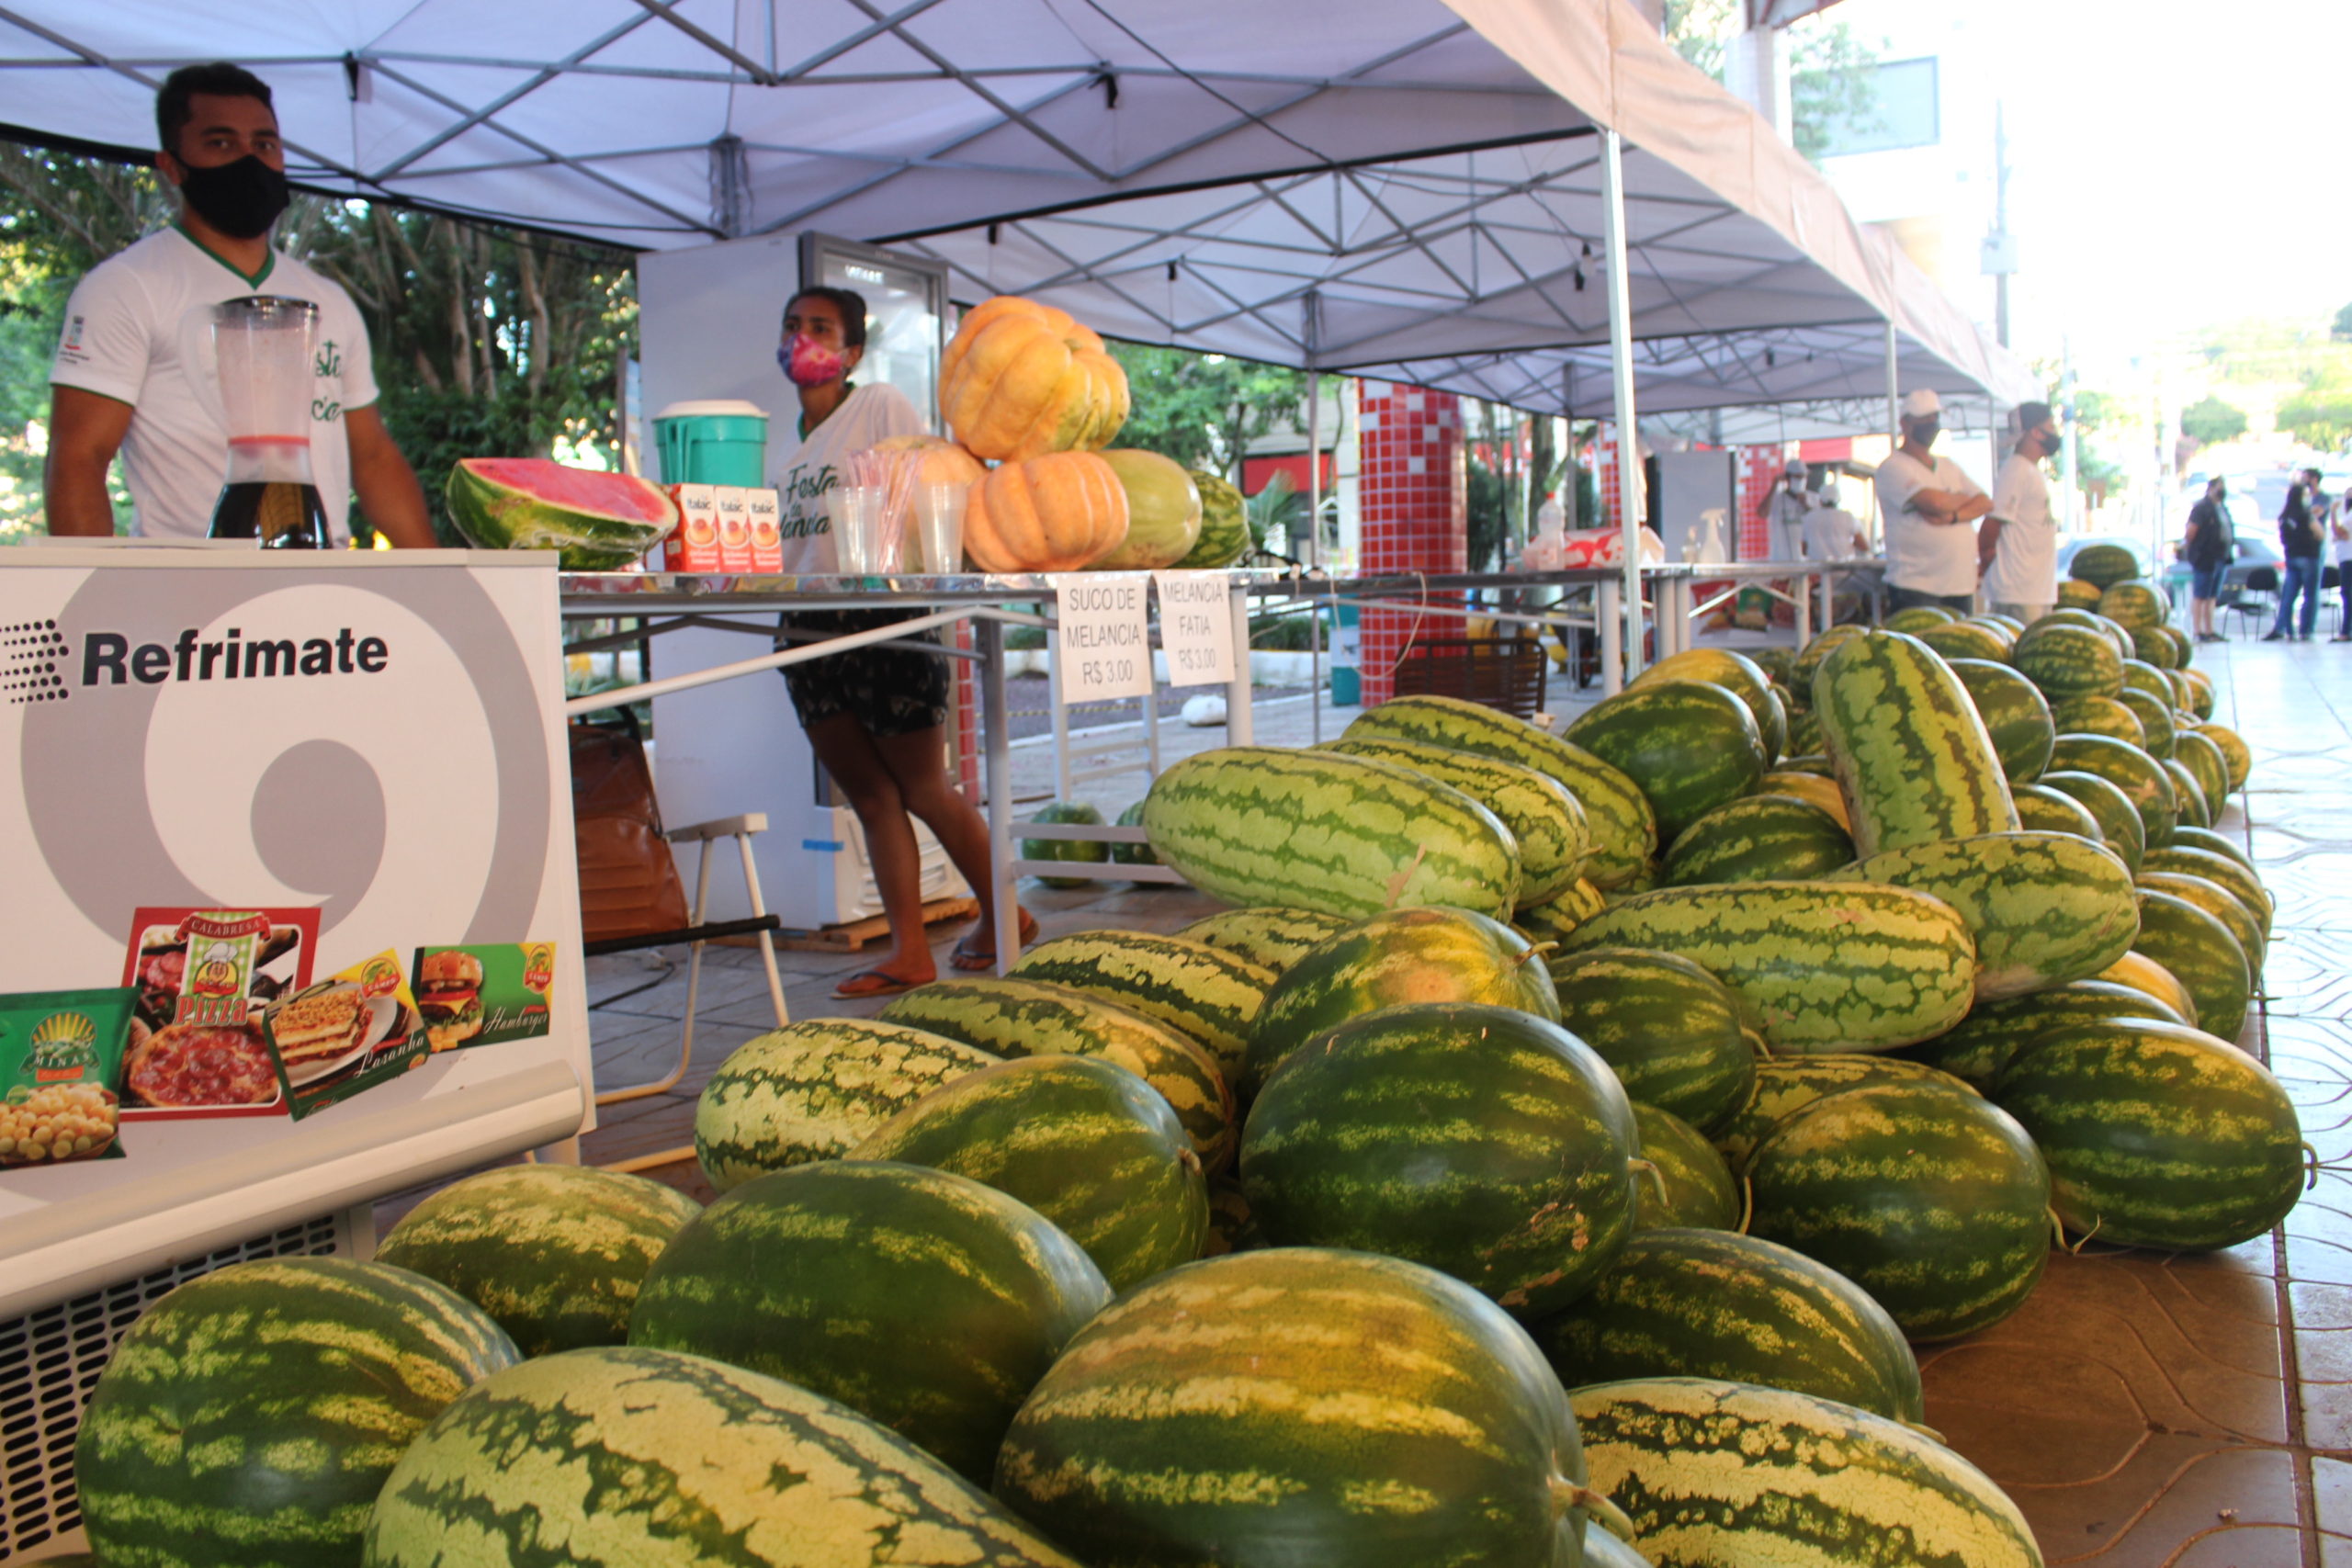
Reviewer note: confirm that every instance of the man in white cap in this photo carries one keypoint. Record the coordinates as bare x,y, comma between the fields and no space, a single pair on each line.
1785,510
2017,545
1929,504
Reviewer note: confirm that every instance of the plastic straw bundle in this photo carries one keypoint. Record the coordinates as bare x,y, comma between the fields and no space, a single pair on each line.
892,473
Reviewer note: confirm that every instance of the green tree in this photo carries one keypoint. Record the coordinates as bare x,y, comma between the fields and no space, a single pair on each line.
1833,78
2093,411
2211,421
2320,415
1204,409
2342,330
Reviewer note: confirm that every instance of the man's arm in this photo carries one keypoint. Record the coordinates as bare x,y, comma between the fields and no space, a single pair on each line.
1945,507
387,489
85,430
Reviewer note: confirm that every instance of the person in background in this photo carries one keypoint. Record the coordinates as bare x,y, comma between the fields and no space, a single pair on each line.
2300,536
2210,548
1832,533
134,371
877,716
1928,503
2017,547
2340,525
1786,508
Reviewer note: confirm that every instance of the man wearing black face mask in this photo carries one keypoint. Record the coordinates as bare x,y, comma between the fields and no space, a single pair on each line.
135,371
1927,505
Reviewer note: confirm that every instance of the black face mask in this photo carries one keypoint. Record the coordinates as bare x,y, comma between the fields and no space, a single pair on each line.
241,199
1925,430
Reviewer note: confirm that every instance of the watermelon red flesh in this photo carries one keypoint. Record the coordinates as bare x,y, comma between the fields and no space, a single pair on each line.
600,522
623,497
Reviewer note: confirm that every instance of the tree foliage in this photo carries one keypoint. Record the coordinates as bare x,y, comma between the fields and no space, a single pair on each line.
1833,81
2342,330
2319,416
2211,421
1204,409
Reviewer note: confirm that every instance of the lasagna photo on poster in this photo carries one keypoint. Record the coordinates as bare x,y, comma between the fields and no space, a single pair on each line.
196,1046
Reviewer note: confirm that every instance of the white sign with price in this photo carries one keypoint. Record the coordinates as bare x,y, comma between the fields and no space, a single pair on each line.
1104,648
1196,627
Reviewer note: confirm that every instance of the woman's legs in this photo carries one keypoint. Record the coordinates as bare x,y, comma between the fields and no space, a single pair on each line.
855,761
918,765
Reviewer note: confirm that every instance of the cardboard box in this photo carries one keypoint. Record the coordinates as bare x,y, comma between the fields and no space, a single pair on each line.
767,536
693,545
734,527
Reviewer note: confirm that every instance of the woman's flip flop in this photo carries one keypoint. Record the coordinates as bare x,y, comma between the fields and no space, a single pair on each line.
971,958
872,983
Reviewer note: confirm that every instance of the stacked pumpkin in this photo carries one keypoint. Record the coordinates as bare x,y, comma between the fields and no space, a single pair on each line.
1030,390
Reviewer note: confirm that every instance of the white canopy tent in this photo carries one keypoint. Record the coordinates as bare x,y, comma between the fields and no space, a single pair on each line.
1412,188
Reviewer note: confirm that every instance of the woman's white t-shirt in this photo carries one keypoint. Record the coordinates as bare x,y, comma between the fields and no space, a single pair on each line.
820,466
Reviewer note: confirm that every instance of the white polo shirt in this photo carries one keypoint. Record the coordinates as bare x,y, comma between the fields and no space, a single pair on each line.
1921,556
2025,558
139,330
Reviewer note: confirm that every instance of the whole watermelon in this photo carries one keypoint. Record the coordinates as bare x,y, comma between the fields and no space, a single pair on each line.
1669,1030
1163,511
1689,745
1065,812
1224,526
661,1461
252,1414
1688,1181
1170,1430
555,1253
1479,1140
920,1299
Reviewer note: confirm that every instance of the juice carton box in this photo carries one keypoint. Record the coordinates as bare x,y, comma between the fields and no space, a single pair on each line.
768,539
693,545
734,527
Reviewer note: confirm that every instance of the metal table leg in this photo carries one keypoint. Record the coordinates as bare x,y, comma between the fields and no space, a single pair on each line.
1612,639
988,640
1240,728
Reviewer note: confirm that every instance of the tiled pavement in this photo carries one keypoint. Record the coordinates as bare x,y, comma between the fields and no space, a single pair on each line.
2146,1411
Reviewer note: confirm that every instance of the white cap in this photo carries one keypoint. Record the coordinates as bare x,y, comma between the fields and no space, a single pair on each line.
1798,467
1921,401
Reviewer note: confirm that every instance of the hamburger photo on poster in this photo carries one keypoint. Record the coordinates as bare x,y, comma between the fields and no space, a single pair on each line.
484,993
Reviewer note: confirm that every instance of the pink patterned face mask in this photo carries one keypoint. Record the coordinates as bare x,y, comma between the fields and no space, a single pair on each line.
810,363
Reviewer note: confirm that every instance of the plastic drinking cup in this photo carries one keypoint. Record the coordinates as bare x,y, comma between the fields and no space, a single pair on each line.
939,526
859,523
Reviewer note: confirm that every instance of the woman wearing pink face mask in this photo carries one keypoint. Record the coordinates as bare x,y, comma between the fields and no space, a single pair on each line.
875,716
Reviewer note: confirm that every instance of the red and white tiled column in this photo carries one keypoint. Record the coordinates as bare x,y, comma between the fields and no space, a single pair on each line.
1414,501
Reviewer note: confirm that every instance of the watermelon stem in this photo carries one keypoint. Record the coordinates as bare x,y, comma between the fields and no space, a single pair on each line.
1396,883
1566,1495
1658,1176
1928,1432
2310,1166
1535,951
1746,1204
2076,1250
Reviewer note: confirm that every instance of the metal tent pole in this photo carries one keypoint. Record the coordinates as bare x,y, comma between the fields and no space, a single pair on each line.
1630,496
1314,511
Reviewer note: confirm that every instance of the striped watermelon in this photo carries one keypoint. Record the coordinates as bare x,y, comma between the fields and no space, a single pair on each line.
1203,993
1931,1199
2194,860
2109,717
2140,776
2188,795
2217,901
1964,639
1913,619
2209,839
2235,755
1085,1142
2195,750
2041,809
1170,1431
2065,660
2158,729
1409,955
1623,827
1786,1085
2136,971
921,1300
1811,657
660,1461
2103,565
1804,728
1669,1030
2196,691
1733,1475
2139,675
1553,920
1814,763
1258,825
252,1416
2043,908
1823,965
2075,595
1994,1033
2159,646
1690,1183
1817,789
1270,934
1224,526
1706,1304
1023,1018
2157,1134
1763,838
2119,823
809,1091
2134,603
2016,716
2204,957
1230,1227
1735,673
1479,1140
1135,854
554,1252
1689,745
1553,838
1071,813
1912,759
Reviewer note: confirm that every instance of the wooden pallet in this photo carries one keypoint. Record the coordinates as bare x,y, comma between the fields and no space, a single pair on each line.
854,936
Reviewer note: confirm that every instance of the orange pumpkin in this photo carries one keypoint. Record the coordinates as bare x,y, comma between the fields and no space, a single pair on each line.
943,462
1057,512
1021,379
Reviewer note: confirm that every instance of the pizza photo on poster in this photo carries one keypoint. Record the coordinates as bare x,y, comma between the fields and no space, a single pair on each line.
196,1046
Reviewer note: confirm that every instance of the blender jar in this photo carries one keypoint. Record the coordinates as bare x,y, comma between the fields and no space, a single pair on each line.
264,346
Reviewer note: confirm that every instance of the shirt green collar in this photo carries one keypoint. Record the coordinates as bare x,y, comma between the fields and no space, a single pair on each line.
269,258
847,388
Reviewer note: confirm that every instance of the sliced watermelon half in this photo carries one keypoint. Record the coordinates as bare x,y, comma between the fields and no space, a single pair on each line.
599,521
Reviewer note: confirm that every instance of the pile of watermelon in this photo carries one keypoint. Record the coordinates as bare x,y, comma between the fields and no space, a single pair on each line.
1549,1158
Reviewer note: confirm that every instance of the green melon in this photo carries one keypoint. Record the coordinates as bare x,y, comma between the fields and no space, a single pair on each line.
1689,1182
1084,1142
1932,1200
2141,777
1762,838
2041,809
1224,526
661,1461
1270,934
1479,1140
1170,1431
2016,716
1693,1302
919,1299
1669,1030
2200,951
1069,814
1689,745
1204,993
1991,1034
554,1252
1786,1085
2120,826
252,1416
1164,512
